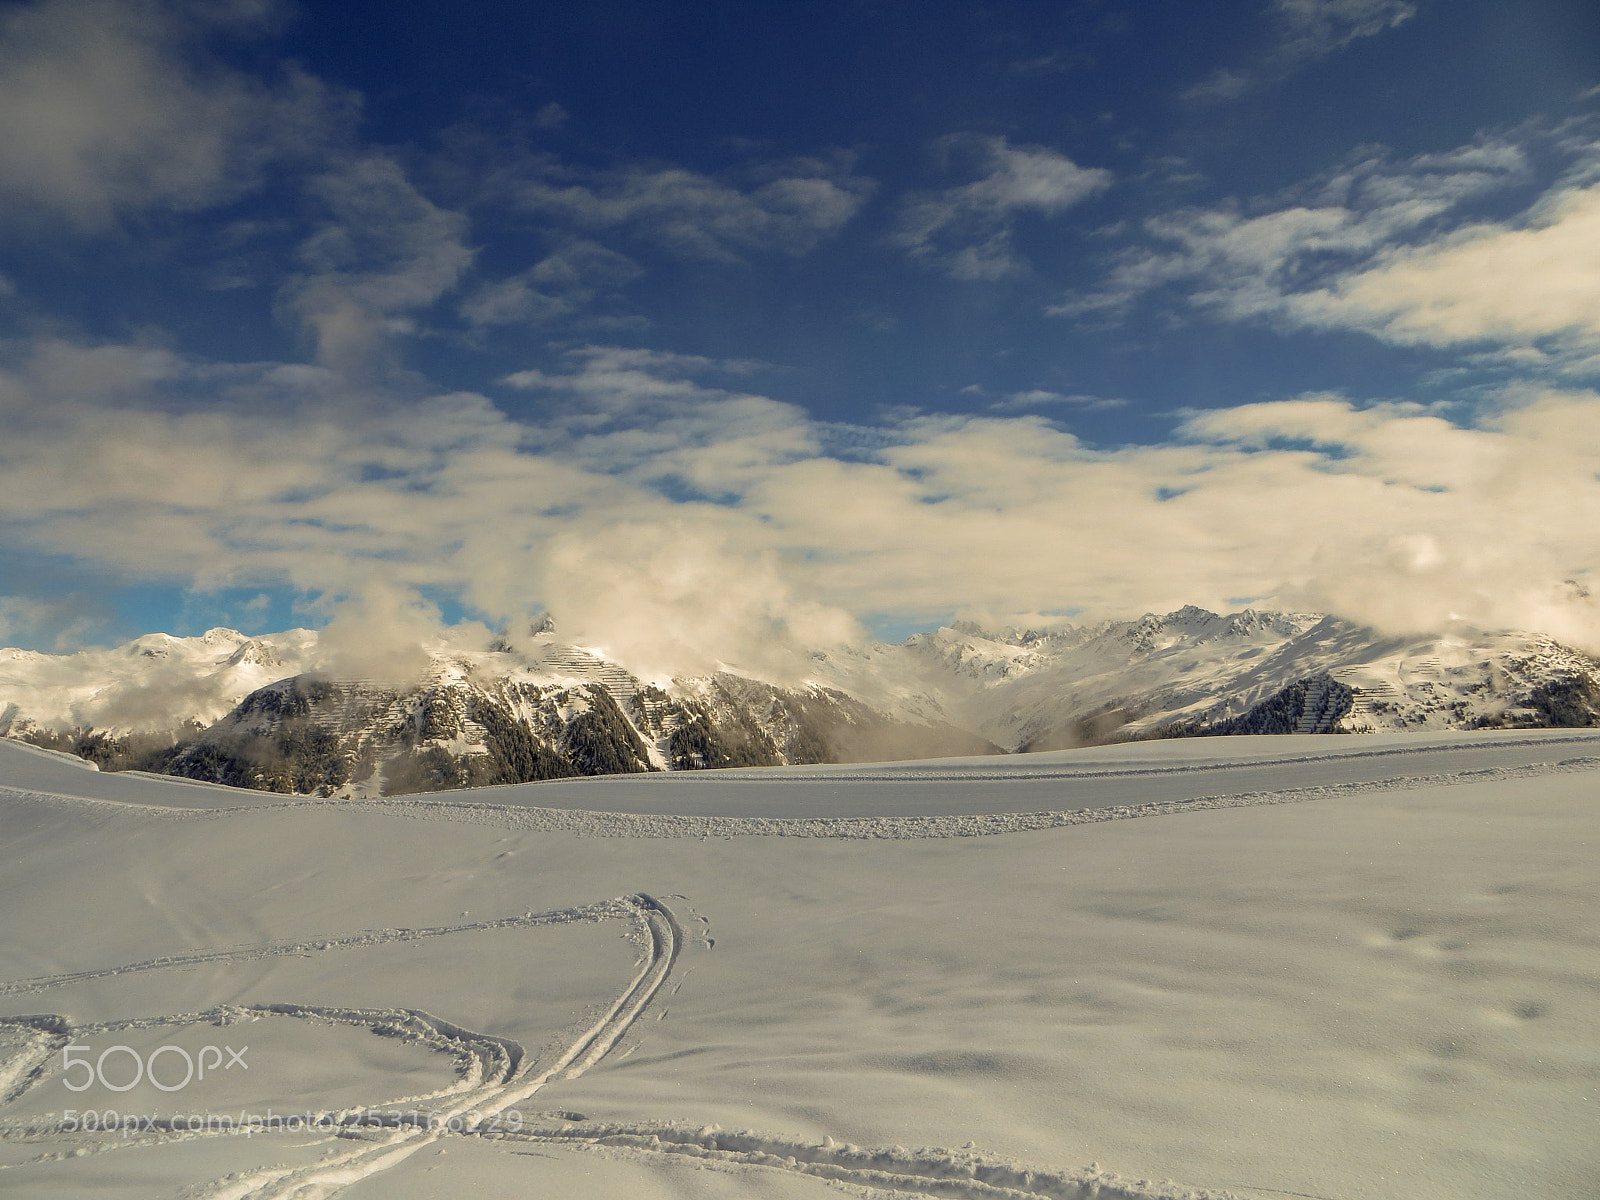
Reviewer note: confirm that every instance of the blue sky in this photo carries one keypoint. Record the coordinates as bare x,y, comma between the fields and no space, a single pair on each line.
717,327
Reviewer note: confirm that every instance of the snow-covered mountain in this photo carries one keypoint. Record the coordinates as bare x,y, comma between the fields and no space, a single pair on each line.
152,684
1194,671
256,712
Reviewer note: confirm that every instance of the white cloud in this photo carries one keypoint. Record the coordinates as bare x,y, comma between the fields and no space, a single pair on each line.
562,285
1042,398
385,251
21,617
680,524
1386,248
113,107
1304,31
786,208
1223,84
679,593
642,414
1507,283
1316,28
967,231
551,116
380,631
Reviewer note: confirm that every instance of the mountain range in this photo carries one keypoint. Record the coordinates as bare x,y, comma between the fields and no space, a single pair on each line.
265,711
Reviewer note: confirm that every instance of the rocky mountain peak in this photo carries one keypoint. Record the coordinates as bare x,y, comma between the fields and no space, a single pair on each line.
255,653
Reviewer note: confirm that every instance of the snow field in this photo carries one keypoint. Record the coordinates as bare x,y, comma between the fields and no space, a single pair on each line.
1377,992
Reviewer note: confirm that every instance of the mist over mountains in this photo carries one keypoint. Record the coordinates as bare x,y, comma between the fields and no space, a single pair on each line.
274,712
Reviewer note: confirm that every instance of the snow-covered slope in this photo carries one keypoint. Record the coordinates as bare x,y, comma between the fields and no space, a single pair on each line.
1374,985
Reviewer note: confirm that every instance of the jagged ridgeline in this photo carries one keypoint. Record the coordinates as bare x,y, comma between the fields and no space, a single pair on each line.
314,736
251,712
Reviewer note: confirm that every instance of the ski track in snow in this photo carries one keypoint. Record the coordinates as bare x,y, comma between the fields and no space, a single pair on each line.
494,1074
369,937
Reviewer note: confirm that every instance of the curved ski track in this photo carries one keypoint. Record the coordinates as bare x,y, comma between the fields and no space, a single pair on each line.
495,1074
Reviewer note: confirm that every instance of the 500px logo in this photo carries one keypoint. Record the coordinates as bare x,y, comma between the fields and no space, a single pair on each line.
146,1067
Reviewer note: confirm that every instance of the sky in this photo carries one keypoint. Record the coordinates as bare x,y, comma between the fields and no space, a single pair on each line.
722,331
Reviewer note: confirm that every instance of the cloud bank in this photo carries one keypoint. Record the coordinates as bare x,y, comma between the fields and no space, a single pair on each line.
680,523
663,508
1396,249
